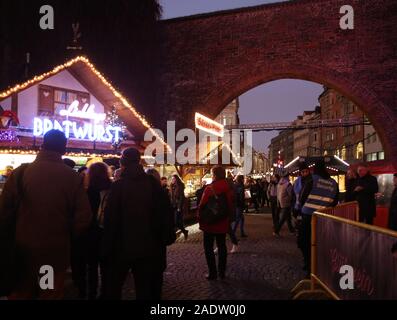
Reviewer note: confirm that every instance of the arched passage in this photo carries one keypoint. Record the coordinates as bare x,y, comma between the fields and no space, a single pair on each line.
208,60
377,113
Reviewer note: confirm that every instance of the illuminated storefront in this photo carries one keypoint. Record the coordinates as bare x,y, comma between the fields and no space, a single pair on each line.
74,98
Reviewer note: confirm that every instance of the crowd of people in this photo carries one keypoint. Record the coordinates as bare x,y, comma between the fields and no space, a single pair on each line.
104,223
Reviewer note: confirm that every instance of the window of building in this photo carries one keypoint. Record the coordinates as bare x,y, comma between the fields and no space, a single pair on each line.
359,151
52,100
315,137
381,155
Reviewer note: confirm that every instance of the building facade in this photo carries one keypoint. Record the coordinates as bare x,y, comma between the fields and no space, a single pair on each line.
229,115
373,149
348,143
304,137
281,149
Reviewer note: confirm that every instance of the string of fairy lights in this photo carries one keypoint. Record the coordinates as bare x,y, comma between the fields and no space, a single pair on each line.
86,61
69,154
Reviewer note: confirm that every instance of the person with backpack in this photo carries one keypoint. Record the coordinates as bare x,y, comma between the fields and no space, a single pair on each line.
42,206
86,248
135,231
215,213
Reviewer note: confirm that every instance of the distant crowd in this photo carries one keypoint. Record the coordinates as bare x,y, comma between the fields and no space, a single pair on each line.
104,223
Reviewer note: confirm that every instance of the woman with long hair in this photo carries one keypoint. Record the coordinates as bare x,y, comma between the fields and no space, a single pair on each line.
86,255
177,202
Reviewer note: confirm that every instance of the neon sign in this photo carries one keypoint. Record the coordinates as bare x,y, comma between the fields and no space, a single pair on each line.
86,131
208,125
88,112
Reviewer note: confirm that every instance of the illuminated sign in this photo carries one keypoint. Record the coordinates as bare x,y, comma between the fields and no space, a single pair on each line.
88,112
81,131
208,125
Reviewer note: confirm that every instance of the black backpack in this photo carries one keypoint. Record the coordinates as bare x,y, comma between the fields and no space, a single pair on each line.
216,209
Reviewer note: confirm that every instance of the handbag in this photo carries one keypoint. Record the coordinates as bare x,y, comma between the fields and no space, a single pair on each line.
216,209
10,263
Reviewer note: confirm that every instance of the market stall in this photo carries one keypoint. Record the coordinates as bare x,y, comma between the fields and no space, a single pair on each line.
74,98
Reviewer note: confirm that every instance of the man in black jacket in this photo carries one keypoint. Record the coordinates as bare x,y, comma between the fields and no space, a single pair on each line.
393,206
367,187
135,231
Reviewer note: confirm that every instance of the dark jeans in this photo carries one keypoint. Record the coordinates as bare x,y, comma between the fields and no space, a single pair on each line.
85,262
254,200
179,221
209,239
305,238
285,216
275,212
240,219
148,278
265,200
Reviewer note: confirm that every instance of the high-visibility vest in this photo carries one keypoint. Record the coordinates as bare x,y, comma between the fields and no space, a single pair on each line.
322,195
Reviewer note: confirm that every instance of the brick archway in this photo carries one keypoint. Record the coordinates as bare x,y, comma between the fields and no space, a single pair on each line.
378,113
208,60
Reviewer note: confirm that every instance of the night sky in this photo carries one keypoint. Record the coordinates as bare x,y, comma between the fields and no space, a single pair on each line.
275,101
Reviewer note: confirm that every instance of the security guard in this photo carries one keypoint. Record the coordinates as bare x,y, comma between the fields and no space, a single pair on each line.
322,192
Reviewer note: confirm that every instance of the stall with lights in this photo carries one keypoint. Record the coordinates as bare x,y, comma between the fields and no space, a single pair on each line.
77,99
336,167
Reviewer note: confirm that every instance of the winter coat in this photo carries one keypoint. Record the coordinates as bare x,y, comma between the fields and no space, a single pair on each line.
366,198
135,224
272,190
239,196
219,186
54,206
393,211
351,184
284,194
177,197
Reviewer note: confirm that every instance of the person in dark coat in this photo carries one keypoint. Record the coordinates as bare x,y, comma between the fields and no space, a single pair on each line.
367,187
86,248
255,190
265,186
199,192
240,203
351,184
164,185
52,206
216,231
135,229
178,203
170,235
393,206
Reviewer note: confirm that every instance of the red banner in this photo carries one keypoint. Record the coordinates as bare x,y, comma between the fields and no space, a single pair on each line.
368,252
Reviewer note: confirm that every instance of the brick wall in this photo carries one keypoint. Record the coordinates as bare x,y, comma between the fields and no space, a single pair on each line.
209,60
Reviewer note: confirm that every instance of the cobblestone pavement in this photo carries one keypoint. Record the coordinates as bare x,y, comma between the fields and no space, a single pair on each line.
265,268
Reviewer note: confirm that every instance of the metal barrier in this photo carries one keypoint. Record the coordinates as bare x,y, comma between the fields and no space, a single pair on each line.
370,251
347,210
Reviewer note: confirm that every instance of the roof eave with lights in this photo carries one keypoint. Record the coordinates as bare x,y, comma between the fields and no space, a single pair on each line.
7,93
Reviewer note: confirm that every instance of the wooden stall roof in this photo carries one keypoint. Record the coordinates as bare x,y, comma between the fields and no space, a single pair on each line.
96,83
